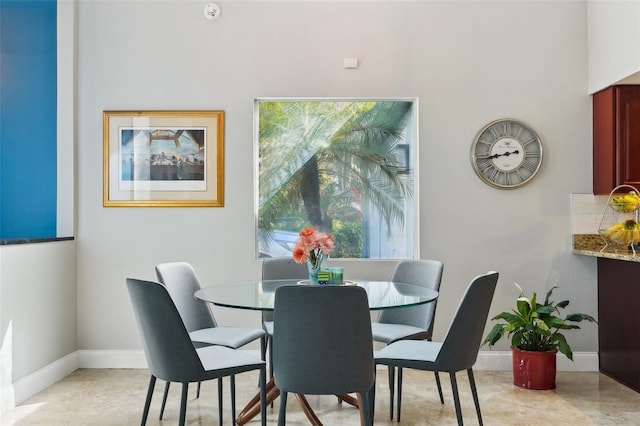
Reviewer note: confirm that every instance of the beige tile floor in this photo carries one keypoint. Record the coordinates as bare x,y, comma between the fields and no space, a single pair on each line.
116,397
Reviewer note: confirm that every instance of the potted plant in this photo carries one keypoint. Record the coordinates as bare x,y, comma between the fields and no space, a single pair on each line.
535,332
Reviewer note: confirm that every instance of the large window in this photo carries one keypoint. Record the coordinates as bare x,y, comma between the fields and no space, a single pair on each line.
341,166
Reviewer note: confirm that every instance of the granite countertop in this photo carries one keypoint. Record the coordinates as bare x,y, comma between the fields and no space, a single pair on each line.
593,244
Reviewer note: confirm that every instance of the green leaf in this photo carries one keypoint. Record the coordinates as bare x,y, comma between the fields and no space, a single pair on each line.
541,324
494,335
564,347
580,317
516,340
548,296
523,306
566,326
545,309
554,322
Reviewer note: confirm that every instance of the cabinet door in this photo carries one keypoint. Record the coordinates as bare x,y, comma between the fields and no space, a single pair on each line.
604,148
616,138
619,320
627,135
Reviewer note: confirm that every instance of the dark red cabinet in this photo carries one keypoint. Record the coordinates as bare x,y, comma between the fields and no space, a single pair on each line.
616,138
619,320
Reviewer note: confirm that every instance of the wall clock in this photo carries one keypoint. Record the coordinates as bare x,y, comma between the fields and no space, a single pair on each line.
506,153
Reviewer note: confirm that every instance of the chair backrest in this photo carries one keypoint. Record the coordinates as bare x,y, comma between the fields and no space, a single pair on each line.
426,273
281,268
462,342
322,341
167,346
181,281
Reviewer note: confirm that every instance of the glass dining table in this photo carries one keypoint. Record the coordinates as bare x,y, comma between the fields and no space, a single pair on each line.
259,295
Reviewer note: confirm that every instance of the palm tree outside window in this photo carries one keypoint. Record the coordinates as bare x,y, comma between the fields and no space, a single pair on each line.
341,166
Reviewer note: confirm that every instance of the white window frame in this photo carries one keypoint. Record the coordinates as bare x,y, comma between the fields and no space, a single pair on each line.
412,139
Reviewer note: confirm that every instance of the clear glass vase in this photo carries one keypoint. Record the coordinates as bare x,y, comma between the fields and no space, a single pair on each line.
314,267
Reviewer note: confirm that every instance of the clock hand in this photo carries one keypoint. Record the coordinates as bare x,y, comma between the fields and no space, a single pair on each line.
506,154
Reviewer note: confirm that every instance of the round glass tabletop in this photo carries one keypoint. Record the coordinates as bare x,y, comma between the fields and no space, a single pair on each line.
259,295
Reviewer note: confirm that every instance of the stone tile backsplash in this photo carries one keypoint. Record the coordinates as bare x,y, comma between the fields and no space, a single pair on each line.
586,212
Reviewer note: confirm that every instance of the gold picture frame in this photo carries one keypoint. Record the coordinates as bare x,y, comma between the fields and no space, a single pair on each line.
163,158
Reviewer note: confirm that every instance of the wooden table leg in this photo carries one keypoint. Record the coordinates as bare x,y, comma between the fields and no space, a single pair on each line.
252,408
348,399
308,411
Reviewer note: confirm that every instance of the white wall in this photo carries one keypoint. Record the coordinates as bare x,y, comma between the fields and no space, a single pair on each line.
614,43
37,313
468,63
66,62
38,294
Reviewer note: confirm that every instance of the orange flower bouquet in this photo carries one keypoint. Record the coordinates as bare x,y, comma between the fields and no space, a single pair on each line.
313,247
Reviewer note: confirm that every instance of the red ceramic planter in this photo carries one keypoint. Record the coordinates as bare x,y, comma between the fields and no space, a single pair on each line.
534,370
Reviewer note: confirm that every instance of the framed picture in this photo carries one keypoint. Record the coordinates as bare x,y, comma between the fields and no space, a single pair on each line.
163,158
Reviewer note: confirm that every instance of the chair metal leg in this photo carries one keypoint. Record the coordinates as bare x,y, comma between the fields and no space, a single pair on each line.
364,409
474,392
263,396
391,370
399,392
232,379
456,397
164,399
147,401
439,386
372,399
283,409
264,341
220,400
198,391
183,404
270,345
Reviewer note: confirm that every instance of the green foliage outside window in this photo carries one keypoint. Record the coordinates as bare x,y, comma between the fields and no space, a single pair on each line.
330,165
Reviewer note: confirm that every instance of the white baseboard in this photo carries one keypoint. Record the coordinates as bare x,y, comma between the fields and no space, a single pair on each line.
487,360
112,359
26,387
501,361
30,385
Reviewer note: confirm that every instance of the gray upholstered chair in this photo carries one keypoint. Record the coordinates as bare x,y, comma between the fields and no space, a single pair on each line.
322,344
182,282
170,352
459,349
278,268
413,323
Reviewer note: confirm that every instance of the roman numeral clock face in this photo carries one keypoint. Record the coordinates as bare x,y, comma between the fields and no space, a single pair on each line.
506,154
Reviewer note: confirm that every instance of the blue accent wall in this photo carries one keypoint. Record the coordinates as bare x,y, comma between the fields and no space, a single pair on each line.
28,117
